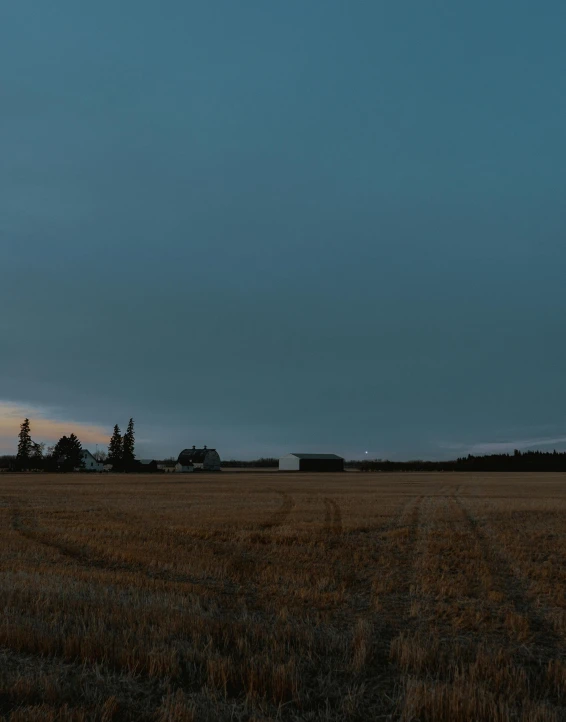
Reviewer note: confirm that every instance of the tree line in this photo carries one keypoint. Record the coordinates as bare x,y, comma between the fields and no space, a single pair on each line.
68,454
262,463
517,461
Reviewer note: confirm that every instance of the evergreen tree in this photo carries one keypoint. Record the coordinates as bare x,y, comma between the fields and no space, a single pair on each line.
75,453
67,454
115,448
25,446
128,453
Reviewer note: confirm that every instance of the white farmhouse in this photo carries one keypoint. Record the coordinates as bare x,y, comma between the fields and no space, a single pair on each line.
90,463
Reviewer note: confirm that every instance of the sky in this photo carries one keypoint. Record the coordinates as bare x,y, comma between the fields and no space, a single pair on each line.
290,226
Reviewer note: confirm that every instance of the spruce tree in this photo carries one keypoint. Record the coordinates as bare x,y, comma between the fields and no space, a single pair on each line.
115,448
75,453
67,454
128,453
24,446
60,452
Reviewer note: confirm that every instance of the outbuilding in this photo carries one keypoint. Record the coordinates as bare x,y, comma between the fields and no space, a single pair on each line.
200,459
311,462
146,466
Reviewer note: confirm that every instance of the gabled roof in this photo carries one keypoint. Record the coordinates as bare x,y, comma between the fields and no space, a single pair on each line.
195,456
86,452
315,456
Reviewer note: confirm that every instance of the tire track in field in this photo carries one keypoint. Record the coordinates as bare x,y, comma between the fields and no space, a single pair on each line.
332,517
29,530
402,520
280,516
545,645
234,569
511,585
383,678
89,558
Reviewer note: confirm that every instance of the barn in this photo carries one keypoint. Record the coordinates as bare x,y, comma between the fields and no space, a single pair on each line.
311,462
204,459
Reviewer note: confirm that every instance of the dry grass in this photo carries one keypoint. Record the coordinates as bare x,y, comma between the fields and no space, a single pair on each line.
263,596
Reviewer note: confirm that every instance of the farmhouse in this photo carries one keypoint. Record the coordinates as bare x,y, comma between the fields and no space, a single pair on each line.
200,459
311,462
90,463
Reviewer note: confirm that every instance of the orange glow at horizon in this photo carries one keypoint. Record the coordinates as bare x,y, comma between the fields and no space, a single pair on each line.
43,428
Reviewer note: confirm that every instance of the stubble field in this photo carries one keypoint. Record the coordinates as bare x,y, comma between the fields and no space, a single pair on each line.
257,596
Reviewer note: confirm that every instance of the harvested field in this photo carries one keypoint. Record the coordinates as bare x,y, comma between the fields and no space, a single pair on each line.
258,596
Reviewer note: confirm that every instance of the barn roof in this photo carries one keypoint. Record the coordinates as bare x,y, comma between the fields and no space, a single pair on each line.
316,456
196,456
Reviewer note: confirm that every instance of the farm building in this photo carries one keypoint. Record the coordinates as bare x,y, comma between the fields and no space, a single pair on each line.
311,462
200,459
146,466
90,463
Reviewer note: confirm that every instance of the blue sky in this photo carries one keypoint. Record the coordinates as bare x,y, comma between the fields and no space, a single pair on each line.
275,227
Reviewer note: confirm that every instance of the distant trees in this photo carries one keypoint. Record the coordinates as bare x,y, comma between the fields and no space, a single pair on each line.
115,448
518,461
25,447
37,458
68,454
65,455
121,449
128,447
30,454
8,462
261,463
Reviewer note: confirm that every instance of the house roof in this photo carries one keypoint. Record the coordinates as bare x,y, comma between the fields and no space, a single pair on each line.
316,456
86,452
195,456
146,461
